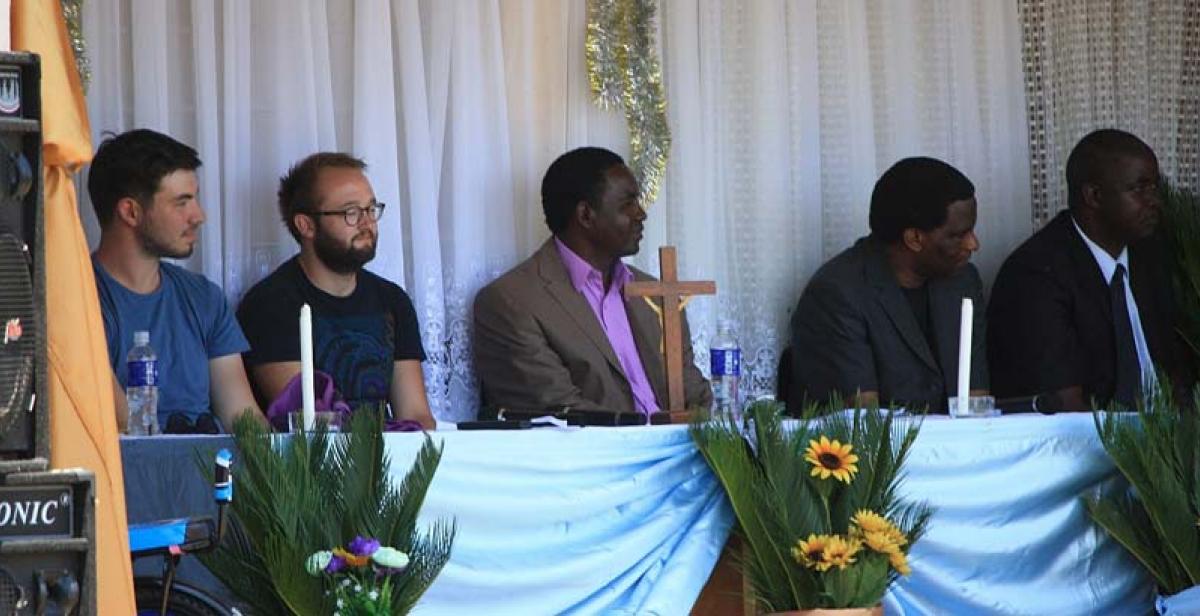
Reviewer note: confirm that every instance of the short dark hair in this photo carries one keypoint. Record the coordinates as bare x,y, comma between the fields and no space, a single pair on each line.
914,194
575,176
1094,156
133,164
297,188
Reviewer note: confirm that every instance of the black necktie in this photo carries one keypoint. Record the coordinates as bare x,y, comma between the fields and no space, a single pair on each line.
1129,372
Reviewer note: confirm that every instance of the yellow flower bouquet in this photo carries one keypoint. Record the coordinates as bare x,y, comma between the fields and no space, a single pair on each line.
815,501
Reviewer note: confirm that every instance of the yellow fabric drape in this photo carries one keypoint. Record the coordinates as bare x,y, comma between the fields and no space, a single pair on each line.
83,427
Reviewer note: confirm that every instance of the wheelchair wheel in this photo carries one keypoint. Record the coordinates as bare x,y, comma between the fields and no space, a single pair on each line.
184,601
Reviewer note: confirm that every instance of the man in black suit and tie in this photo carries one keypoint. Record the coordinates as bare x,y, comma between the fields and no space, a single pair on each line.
1083,309
879,323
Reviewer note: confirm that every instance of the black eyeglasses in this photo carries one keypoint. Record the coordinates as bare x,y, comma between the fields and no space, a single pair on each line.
353,214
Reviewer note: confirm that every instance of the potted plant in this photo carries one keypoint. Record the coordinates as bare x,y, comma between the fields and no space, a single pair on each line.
318,526
816,506
1157,450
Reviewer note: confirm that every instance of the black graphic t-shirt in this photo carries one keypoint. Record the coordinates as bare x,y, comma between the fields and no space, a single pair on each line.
356,338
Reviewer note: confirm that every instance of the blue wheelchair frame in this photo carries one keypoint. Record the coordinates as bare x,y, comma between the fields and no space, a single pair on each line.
172,539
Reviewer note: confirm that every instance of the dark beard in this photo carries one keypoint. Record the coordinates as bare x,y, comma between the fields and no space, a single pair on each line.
161,250
341,259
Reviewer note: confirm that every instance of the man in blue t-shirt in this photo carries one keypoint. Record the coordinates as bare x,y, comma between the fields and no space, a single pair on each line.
365,332
144,189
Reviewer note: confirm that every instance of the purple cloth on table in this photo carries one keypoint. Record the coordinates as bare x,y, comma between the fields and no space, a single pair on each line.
402,425
326,398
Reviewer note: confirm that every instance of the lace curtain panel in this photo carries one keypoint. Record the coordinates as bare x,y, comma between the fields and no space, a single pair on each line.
783,114
1128,64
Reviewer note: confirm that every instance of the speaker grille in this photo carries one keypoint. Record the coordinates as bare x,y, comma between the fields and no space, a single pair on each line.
11,597
18,331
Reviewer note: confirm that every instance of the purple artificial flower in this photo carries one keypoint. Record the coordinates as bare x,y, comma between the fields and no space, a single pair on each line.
363,546
337,563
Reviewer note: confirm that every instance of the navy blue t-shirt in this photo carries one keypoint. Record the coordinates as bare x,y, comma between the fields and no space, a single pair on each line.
189,323
356,339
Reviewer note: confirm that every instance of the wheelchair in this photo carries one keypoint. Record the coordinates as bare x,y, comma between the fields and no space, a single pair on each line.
171,540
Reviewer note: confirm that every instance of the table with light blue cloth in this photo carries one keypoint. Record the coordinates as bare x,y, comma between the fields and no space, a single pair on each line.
630,520
1010,534
585,521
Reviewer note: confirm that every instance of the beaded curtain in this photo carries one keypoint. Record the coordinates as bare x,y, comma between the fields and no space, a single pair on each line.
1128,64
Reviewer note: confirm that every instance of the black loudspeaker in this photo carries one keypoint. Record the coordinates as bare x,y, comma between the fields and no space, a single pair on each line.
46,538
24,416
47,527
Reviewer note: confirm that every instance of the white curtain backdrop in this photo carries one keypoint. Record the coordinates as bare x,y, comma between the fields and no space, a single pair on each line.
783,116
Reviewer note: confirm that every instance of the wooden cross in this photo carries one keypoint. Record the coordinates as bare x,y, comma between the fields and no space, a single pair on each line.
672,292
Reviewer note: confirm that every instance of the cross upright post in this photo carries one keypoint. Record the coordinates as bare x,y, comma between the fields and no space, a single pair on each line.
671,291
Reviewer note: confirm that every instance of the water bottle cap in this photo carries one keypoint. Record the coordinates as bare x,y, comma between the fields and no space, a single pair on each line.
141,338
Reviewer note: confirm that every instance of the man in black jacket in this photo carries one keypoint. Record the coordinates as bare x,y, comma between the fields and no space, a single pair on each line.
1083,309
879,323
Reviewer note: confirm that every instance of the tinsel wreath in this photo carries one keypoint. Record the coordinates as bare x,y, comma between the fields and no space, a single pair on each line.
624,71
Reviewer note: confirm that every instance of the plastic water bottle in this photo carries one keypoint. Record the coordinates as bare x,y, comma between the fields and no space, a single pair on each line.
726,362
141,386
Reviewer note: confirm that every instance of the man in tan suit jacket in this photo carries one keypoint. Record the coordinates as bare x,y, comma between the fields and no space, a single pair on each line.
556,330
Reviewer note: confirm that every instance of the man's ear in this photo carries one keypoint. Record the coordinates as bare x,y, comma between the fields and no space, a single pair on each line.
584,215
913,239
1091,195
129,211
305,225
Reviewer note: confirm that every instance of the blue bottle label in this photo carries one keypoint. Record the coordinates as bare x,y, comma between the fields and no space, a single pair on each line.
142,373
726,362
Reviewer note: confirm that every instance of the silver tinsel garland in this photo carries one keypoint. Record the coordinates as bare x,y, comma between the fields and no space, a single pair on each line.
73,14
624,70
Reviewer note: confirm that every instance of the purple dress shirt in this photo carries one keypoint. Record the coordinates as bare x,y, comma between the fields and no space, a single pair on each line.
609,308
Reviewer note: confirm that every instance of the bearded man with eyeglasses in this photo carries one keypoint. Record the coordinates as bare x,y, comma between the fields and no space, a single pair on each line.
365,331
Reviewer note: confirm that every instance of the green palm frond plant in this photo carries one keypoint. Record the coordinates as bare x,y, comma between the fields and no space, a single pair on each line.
1157,450
307,501
1181,209
816,503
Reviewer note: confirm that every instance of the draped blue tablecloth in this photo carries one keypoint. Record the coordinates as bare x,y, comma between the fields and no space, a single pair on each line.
1010,534
630,520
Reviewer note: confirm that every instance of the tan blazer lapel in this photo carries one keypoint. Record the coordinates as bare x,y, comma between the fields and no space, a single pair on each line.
647,335
558,286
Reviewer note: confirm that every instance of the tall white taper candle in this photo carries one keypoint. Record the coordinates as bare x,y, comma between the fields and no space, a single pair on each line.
6,25
964,354
306,368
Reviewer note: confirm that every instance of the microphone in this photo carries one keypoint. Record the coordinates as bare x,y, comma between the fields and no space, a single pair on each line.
1047,403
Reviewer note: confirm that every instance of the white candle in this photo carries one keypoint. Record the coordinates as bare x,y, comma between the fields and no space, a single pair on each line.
306,368
964,354
6,25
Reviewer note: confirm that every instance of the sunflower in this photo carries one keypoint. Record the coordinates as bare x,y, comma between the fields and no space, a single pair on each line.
899,562
880,541
831,458
808,552
867,521
870,522
839,552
